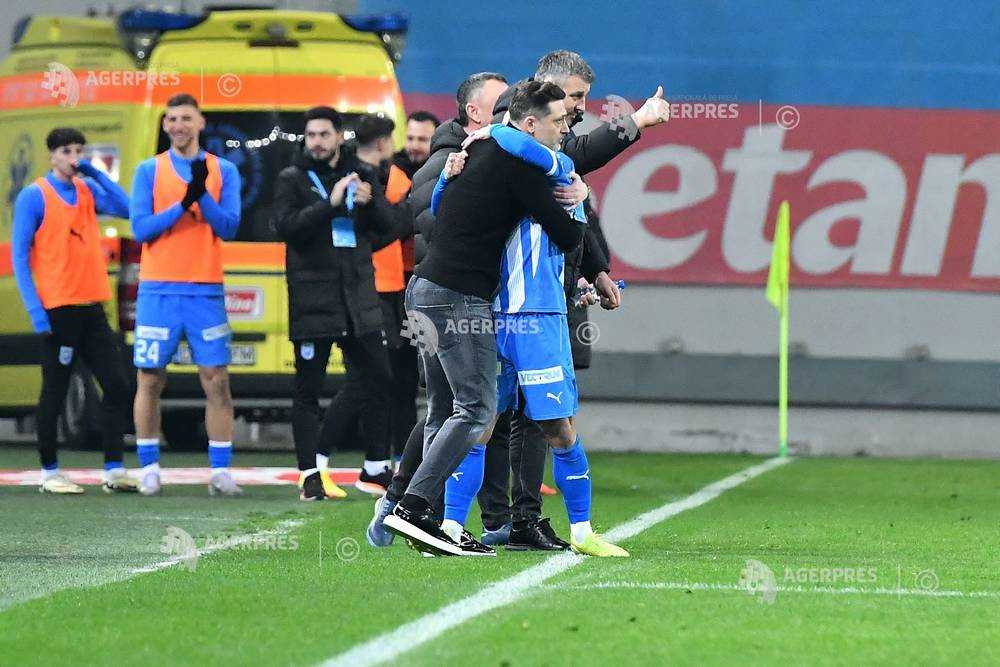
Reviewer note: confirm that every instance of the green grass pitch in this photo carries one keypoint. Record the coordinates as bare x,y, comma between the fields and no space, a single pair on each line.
873,561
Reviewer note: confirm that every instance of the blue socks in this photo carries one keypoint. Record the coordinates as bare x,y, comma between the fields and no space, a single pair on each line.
462,486
219,453
148,451
572,474
112,465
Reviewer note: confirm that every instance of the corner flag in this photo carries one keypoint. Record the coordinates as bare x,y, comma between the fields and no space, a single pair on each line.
777,277
777,294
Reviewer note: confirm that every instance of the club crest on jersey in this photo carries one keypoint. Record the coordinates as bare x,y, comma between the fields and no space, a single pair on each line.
308,351
65,355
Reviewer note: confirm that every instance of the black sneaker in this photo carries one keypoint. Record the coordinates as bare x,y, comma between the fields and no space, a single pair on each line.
423,530
312,488
535,536
375,485
473,547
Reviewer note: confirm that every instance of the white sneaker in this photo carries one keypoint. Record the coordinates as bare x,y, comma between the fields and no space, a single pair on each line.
222,484
119,481
59,484
150,484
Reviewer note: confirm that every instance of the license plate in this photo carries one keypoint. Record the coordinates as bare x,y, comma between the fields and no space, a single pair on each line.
242,355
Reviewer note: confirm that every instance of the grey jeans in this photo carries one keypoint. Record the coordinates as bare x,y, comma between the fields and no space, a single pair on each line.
459,354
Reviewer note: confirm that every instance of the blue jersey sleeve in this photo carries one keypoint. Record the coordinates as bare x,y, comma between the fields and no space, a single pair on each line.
439,187
147,225
109,197
224,215
29,210
524,146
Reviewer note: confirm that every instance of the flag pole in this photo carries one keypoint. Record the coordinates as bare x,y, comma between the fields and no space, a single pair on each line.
777,294
783,378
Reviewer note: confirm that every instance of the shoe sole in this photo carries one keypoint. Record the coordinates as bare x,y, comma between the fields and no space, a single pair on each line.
370,488
422,540
493,544
584,553
61,493
117,489
529,547
310,499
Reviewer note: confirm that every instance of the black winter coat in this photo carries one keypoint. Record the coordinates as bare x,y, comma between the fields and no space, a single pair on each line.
331,291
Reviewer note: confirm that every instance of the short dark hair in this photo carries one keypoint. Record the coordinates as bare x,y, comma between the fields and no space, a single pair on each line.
182,99
424,117
64,136
327,113
468,88
372,127
532,98
557,66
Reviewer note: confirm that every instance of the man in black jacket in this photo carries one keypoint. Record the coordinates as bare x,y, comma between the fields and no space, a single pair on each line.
588,152
475,99
517,521
449,298
328,207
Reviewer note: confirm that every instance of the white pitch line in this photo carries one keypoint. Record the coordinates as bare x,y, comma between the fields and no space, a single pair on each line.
394,643
282,528
824,590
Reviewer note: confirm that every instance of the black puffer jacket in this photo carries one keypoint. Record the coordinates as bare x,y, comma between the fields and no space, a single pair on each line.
331,291
447,139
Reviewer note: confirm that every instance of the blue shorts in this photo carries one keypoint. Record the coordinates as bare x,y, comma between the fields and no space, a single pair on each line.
160,319
535,357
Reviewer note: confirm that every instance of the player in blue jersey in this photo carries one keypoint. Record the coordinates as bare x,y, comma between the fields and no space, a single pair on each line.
533,345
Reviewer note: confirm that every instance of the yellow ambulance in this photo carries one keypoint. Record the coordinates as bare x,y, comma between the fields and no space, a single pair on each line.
254,72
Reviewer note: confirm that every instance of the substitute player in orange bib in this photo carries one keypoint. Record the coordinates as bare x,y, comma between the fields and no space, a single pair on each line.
185,202
62,276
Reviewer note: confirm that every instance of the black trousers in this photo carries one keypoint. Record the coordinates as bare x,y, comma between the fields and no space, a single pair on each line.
81,333
405,377
515,459
516,446
363,400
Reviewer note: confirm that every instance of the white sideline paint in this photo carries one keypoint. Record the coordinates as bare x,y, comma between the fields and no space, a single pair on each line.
823,590
390,645
282,528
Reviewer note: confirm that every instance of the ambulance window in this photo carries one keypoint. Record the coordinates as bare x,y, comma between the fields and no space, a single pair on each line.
260,144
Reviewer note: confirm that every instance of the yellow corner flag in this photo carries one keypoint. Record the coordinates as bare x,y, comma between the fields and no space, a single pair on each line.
777,294
777,277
